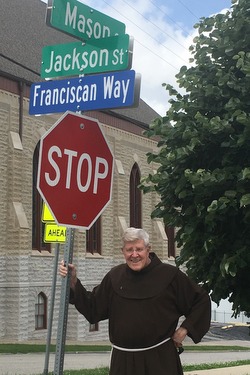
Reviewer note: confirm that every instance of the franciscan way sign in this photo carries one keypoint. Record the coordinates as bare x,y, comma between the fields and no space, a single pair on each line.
100,91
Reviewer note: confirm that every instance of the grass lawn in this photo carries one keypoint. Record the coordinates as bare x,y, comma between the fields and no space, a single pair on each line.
37,348
104,370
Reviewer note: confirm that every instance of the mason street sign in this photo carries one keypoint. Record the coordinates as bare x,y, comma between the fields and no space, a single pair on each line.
97,56
98,91
77,19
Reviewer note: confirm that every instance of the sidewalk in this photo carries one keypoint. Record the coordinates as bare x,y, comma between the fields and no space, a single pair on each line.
237,370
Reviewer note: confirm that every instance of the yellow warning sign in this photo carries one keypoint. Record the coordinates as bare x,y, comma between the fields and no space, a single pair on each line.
46,214
54,233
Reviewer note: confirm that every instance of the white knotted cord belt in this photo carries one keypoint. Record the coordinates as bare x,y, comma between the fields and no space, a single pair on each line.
140,349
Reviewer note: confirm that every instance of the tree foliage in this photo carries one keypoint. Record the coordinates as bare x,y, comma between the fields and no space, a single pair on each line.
203,159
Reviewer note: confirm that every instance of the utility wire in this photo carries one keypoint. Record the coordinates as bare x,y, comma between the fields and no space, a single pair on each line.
171,19
189,10
160,57
143,45
19,64
148,35
147,19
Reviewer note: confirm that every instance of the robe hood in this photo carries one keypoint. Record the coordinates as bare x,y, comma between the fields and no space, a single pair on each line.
147,283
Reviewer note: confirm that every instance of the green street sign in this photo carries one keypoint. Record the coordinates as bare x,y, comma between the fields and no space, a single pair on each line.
96,56
77,19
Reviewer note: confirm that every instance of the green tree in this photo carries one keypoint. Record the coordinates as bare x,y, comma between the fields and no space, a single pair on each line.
203,160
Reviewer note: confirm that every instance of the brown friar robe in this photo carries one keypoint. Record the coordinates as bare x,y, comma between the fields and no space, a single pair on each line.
143,309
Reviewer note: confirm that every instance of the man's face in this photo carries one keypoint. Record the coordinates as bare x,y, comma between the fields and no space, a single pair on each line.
136,255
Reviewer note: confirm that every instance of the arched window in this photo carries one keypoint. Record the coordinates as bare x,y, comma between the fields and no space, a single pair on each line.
41,312
94,238
135,197
37,225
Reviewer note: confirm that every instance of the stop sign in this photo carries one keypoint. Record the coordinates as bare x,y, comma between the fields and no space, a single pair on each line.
75,170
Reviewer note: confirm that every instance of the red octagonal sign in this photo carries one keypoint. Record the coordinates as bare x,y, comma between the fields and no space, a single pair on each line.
75,170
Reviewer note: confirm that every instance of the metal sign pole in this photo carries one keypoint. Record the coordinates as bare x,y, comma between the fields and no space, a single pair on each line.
64,304
52,302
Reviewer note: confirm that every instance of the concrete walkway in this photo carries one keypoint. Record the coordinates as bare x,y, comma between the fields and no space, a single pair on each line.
212,357
237,370
224,357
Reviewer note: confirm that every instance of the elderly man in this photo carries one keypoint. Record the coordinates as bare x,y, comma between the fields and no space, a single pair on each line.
143,300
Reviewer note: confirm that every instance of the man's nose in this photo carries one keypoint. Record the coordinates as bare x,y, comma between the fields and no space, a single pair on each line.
134,253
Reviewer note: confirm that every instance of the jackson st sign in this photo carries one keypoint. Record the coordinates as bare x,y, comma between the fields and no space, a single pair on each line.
96,56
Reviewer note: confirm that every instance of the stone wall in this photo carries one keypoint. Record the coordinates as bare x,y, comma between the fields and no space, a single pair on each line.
24,272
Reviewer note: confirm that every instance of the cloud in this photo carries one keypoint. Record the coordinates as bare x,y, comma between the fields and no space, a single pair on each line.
160,47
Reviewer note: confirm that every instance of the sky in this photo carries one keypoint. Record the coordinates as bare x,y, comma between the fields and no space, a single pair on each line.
162,31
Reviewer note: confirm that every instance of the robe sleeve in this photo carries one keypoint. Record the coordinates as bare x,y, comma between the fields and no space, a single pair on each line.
195,304
93,305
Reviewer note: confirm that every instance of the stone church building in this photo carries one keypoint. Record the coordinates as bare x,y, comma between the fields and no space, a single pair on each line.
26,261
